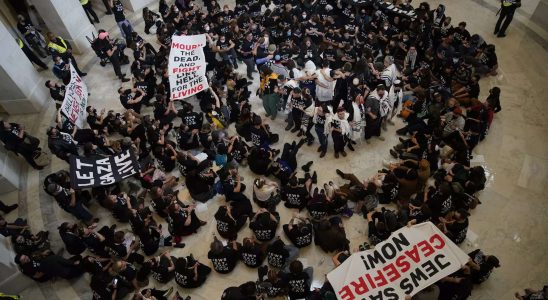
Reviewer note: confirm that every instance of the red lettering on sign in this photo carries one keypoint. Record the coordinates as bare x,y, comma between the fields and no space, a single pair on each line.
346,293
391,272
426,248
439,239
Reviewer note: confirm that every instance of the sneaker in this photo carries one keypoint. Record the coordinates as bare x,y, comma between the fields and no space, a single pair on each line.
350,147
500,35
322,154
339,172
314,178
319,149
11,208
288,127
306,167
394,153
179,245
343,153
386,163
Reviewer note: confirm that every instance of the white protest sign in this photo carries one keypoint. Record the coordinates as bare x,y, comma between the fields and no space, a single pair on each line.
187,66
76,99
410,260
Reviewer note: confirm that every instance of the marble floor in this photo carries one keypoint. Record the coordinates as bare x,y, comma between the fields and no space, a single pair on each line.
511,223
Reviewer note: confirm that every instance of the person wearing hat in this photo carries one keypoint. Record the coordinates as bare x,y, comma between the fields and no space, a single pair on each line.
373,118
339,128
107,46
269,91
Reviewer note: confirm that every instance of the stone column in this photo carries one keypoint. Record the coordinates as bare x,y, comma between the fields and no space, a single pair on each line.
137,5
22,90
67,19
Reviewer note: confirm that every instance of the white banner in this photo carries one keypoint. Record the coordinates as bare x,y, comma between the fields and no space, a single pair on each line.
187,66
410,260
76,99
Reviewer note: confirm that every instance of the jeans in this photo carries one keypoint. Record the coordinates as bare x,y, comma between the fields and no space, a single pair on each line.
230,57
79,212
127,23
293,255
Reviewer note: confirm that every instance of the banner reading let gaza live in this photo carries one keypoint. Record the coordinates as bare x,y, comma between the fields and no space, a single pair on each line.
410,260
76,99
90,172
187,66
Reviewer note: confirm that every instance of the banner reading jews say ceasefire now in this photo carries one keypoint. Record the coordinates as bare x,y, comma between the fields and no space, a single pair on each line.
410,260
76,99
187,66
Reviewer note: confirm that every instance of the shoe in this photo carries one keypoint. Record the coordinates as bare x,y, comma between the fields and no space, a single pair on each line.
340,173
336,154
294,129
319,149
402,140
306,167
11,208
262,271
288,127
322,154
310,142
386,163
401,131
168,292
343,153
495,32
314,178
301,142
300,133
350,147
123,79
380,138
394,153
179,245
500,35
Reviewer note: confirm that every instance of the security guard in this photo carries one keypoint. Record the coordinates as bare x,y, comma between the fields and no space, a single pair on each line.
57,46
506,11
31,56
89,11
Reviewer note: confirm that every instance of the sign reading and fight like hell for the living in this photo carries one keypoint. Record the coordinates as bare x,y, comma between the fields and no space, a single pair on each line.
410,260
187,66
76,99
91,172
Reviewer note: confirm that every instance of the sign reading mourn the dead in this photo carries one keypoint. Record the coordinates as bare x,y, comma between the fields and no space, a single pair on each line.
90,172
410,260
76,99
187,66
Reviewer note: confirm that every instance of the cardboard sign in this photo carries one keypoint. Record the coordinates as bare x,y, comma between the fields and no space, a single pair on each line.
187,66
410,260
76,99
91,172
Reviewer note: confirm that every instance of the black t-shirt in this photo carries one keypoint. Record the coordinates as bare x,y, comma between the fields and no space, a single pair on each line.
73,243
251,257
31,268
276,256
225,225
101,287
297,284
193,119
300,237
63,199
259,136
161,272
264,232
129,273
125,97
225,261
117,250
295,197
118,10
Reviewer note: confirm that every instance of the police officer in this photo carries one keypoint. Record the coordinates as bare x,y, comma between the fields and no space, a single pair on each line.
31,56
57,46
506,14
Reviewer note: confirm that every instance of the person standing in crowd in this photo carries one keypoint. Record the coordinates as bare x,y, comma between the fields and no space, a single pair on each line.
269,92
373,118
57,92
16,139
246,53
32,36
113,53
339,130
123,24
506,14
30,55
57,46
86,4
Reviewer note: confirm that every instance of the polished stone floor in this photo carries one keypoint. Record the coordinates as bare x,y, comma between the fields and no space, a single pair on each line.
511,223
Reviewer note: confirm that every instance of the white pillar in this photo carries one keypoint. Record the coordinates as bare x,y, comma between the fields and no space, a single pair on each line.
22,91
66,18
137,5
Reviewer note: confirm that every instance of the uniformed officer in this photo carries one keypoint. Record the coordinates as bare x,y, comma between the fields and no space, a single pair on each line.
506,14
